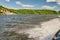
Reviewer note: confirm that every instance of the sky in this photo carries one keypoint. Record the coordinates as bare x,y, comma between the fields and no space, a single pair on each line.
31,4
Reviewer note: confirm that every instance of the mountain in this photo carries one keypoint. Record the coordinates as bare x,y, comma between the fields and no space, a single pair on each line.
4,10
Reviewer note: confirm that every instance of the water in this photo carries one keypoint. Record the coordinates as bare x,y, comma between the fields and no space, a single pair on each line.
19,23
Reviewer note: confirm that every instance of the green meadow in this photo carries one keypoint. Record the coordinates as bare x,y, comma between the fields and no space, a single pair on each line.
3,10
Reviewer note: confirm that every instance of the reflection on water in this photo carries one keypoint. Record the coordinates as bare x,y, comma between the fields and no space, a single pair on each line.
14,23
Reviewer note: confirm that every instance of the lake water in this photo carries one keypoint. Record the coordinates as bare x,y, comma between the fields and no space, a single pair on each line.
22,22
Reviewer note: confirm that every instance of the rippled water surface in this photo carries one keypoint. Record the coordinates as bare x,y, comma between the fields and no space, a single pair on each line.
21,22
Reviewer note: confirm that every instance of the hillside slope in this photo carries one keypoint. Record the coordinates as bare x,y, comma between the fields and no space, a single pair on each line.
4,10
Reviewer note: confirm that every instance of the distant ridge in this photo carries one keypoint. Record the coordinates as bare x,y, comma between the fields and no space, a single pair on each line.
4,10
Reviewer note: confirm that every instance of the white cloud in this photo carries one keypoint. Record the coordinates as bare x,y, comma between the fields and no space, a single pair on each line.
27,5
23,5
25,8
7,0
57,1
18,3
50,0
29,8
48,7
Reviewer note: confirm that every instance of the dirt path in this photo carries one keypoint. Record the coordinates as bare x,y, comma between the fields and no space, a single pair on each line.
35,12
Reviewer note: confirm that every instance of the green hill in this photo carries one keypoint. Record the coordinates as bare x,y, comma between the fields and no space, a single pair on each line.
3,10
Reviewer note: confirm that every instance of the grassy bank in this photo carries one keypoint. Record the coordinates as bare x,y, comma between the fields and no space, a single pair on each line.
27,11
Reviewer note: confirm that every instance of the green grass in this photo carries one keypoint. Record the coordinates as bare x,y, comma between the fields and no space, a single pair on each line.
29,11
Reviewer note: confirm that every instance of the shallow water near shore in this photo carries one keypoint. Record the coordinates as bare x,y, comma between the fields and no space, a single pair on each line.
34,25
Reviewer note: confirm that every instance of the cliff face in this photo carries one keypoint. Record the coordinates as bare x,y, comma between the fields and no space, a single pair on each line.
4,10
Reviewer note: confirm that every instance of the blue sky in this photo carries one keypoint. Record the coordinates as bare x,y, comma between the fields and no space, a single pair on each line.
31,4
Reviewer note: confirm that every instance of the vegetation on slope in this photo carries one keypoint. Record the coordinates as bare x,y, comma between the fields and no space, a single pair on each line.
3,10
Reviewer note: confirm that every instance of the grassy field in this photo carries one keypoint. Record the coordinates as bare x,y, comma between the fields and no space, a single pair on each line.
3,10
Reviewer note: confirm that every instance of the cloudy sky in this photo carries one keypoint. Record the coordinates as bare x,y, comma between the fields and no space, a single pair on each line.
31,4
